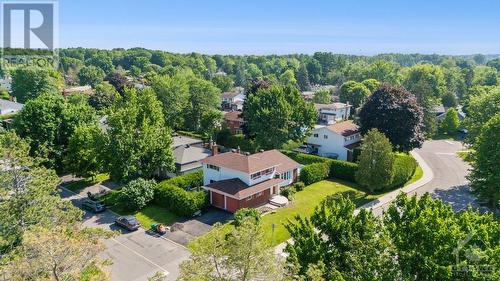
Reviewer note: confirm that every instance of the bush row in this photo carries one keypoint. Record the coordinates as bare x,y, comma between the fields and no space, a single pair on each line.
314,172
337,169
404,168
176,199
187,181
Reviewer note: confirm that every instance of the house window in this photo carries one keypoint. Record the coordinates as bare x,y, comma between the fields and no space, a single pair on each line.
316,135
212,167
286,176
325,137
255,176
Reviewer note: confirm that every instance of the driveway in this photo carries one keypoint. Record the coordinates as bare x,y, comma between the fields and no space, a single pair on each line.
136,255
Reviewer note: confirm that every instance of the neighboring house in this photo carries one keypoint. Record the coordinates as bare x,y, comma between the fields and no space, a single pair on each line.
333,113
335,141
6,83
308,95
188,153
233,100
9,107
236,180
87,90
234,122
440,115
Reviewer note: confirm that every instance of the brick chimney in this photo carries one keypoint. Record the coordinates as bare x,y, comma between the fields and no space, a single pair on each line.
215,149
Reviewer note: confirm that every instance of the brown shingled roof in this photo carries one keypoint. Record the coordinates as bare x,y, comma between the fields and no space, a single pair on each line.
253,163
233,116
346,128
239,190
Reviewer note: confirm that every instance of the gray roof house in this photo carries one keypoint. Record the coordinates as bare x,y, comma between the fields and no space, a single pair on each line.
8,107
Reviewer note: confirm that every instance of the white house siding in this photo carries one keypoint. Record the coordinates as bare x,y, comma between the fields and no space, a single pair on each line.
332,144
223,174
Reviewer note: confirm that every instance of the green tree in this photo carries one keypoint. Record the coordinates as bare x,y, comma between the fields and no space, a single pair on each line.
211,123
91,75
48,121
303,78
376,162
354,93
28,194
83,154
138,141
203,97
495,63
339,245
485,76
103,96
384,71
223,82
480,109
276,115
30,82
449,99
136,194
371,84
173,93
485,175
450,122
428,232
322,96
240,255
287,78
428,84
395,113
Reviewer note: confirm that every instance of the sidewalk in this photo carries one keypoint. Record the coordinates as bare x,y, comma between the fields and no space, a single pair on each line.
427,176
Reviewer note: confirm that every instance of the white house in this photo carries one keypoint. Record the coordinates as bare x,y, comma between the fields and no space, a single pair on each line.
333,113
235,180
335,141
233,100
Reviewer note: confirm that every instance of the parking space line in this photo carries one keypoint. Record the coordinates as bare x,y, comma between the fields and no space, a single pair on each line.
143,257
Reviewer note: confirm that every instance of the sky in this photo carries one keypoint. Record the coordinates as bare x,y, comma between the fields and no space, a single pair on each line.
284,27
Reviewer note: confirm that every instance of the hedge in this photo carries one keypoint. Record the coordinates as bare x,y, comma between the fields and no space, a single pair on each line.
187,181
314,172
404,168
182,202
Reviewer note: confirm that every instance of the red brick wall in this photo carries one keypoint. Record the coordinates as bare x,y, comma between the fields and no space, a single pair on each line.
217,200
233,126
231,205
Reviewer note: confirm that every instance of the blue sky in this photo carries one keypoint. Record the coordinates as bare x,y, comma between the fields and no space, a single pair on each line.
281,27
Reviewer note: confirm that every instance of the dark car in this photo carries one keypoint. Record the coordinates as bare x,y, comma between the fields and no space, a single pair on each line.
128,222
93,206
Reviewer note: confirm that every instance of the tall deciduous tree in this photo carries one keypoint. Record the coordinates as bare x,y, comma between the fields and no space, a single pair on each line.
481,108
30,82
103,96
375,162
428,84
450,122
322,96
240,255
83,157
354,93
138,141
91,75
485,175
395,113
203,97
340,245
303,78
48,122
173,93
278,114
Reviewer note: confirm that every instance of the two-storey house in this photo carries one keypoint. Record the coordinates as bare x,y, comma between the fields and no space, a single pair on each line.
233,100
335,141
235,180
333,113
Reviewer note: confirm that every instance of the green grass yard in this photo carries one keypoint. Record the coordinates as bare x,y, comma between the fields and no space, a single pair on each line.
304,204
416,176
83,183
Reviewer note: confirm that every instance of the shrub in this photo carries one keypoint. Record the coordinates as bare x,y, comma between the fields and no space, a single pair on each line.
314,172
137,194
187,181
242,214
299,186
288,192
404,168
343,170
178,200
305,159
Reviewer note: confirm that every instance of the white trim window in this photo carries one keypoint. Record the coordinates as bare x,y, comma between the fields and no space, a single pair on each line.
213,167
286,175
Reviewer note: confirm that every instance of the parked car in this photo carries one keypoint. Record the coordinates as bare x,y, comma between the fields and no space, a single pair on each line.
128,222
93,206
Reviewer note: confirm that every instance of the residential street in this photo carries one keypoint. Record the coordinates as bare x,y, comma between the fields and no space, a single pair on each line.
136,255
449,171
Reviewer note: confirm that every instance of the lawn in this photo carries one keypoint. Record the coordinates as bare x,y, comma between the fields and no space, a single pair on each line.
81,184
304,203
